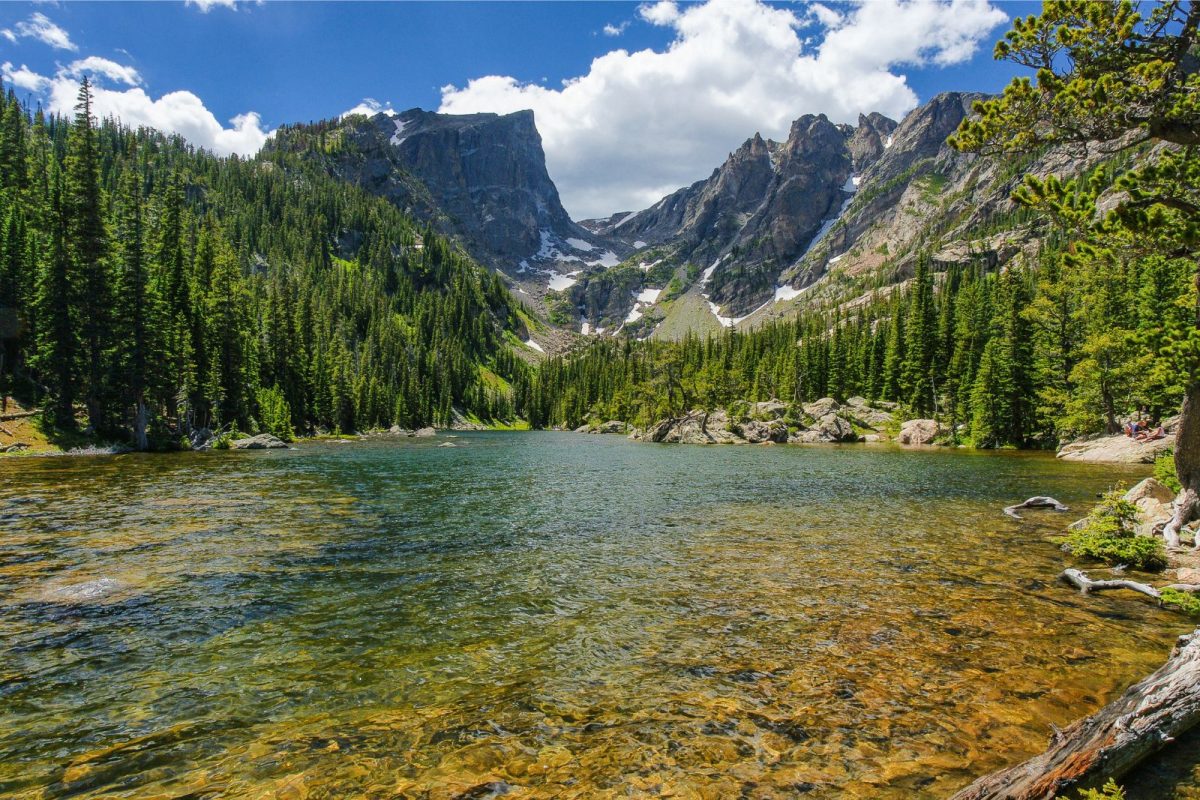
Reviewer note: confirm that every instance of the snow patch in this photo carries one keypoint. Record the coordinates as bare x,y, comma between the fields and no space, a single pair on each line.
586,328
625,219
851,184
836,259
608,259
888,143
649,295
634,314
531,343
524,266
396,137
706,276
580,244
785,293
639,243
560,282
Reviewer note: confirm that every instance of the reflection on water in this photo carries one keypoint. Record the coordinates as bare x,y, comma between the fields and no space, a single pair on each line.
543,615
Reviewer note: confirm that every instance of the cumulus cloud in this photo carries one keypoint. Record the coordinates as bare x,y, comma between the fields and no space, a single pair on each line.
370,107
95,65
23,77
180,112
615,30
639,125
39,27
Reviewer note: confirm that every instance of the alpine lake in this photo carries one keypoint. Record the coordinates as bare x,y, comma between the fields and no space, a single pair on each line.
550,615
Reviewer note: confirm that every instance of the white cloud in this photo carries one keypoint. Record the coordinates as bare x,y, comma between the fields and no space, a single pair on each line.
615,30
370,107
39,27
24,77
639,125
95,65
7,34
206,6
664,12
180,112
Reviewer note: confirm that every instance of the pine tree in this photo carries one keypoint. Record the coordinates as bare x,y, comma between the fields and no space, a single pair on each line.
88,243
58,348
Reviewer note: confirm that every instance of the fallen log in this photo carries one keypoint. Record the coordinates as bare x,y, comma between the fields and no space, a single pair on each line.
1086,585
18,415
1035,502
10,448
1111,742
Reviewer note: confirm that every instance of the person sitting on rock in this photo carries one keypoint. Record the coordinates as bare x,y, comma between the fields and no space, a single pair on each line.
1148,435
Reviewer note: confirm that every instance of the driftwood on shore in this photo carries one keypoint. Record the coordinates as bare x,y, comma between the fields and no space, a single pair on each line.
1035,502
1114,740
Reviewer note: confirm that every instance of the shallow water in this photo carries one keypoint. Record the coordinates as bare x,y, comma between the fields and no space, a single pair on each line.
547,615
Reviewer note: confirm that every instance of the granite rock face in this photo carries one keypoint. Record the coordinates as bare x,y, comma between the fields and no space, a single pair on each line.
481,178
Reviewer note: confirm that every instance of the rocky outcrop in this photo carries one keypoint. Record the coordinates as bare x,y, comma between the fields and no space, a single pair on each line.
1154,504
920,431
481,178
263,441
1119,449
828,428
760,210
771,421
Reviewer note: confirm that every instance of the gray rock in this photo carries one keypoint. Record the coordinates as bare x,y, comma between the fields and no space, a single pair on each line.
920,431
264,441
612,426
425,432
757,431
769,410
1119,449
819,408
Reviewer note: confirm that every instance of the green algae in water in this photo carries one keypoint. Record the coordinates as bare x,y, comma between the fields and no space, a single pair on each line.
544,614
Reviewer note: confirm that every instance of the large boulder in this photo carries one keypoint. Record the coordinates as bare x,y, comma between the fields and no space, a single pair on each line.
1154,503
867,416
1119,449
757,432
612,426
264,441
695,428
819,408
769,410
920,431
424,432
829,428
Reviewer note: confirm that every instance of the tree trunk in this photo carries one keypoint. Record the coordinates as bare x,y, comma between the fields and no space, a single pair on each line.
1187,466
140,440
1111,742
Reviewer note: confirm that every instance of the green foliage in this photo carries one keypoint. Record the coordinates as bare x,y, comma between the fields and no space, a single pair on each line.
1164,472
1108,536
1110,791
1186,602
165,289
275,416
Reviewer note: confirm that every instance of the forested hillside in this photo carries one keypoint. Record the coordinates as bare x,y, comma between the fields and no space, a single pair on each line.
1023,357
147,289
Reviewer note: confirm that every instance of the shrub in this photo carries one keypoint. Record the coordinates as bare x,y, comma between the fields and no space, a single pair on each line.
1182,601
1110,791
1108,535
1164,471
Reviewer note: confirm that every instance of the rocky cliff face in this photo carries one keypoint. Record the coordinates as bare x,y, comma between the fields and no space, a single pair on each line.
479,177
759,211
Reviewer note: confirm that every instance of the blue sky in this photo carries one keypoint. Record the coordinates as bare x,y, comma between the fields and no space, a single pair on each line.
288,62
